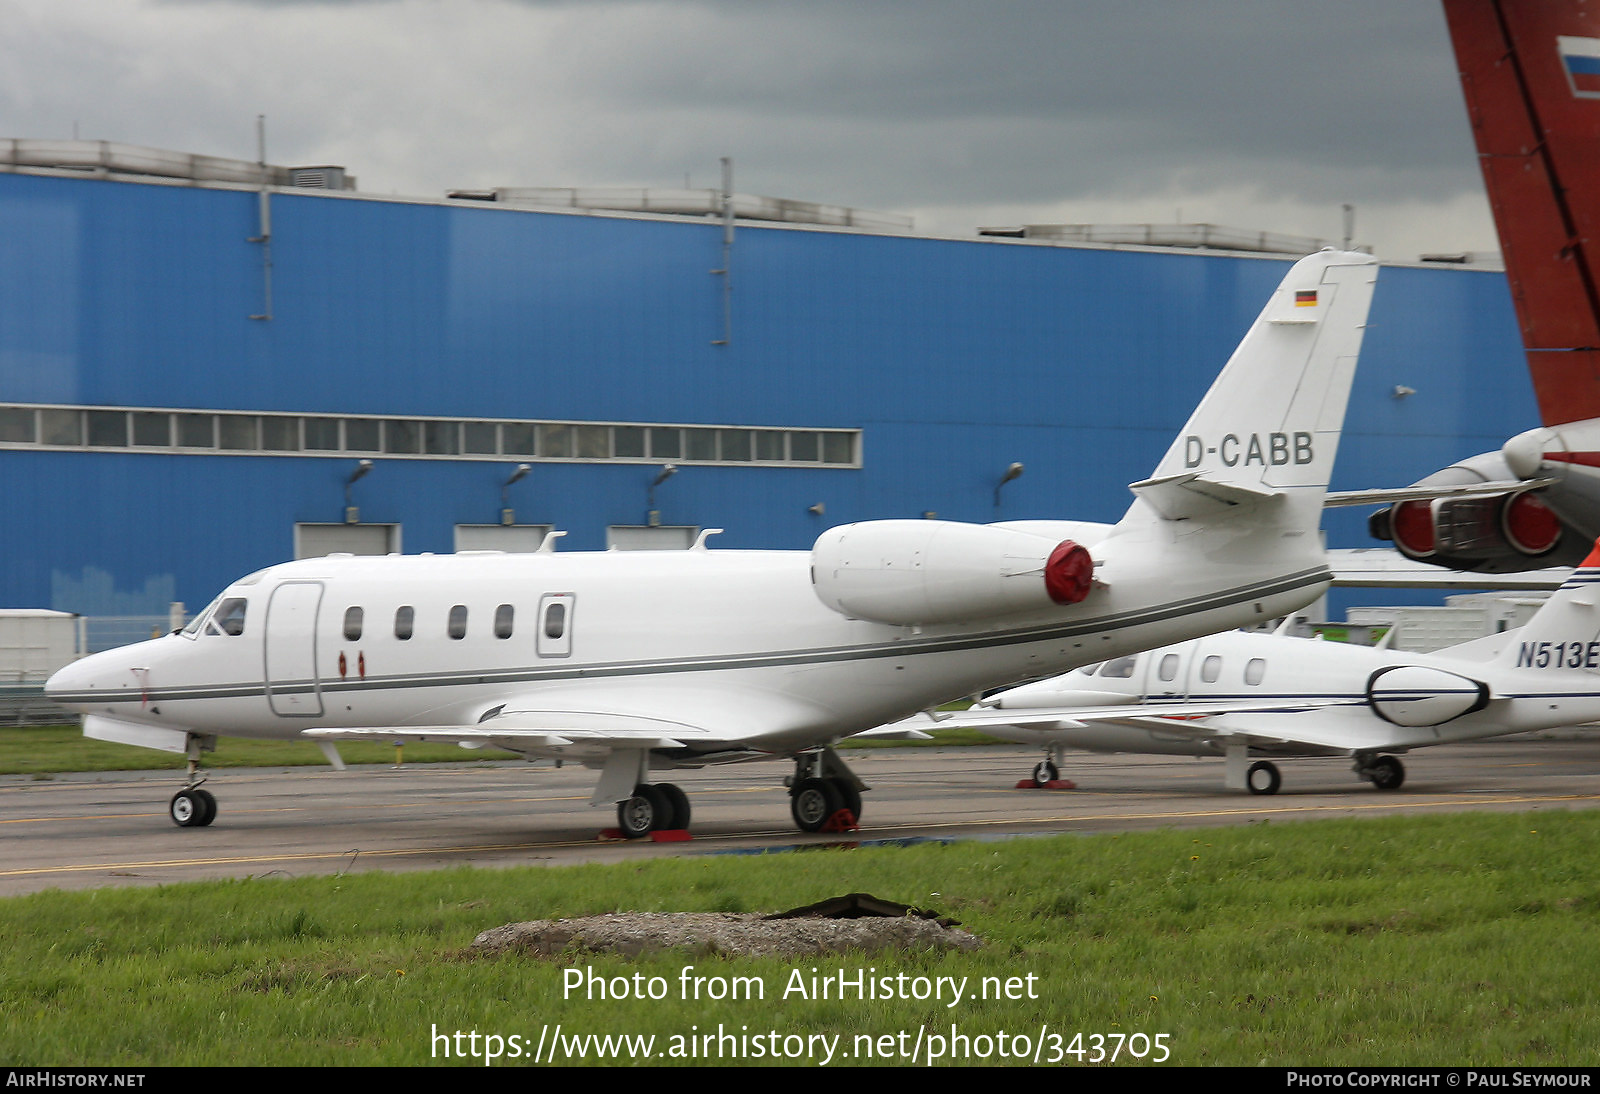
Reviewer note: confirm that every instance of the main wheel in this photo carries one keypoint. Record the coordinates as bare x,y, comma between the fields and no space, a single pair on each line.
1045,771
849,797
812,802
639,815
1263,778
677,806
189,809
1387,773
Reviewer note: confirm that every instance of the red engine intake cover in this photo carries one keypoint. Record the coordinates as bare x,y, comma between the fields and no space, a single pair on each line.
1069,574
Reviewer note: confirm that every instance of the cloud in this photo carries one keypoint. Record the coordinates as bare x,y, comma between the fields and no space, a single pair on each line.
948,109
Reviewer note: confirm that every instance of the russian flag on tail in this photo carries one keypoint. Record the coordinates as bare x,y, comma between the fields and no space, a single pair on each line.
1581,59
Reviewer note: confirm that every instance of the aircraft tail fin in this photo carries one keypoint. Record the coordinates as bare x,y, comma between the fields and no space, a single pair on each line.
1565,632
1530,71
1268,430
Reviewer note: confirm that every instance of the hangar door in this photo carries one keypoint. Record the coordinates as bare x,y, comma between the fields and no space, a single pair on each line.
291,667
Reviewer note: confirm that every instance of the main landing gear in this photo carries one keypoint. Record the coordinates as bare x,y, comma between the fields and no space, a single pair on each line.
193,807
1263,778
654,807
1384,772
822,791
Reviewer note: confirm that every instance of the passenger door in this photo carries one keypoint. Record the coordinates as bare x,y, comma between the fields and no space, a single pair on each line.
293,687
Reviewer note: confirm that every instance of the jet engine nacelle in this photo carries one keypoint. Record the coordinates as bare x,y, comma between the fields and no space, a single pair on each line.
915,572
1416,695
1500,533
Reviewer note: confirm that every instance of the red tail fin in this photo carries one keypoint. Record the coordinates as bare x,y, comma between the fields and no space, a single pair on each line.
1531,73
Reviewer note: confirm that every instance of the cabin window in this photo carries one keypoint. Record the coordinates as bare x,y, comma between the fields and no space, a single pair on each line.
1169,667
405,619
229,617
502,621
352,624
1255,671
1210,669
458,621
555,620
1120,668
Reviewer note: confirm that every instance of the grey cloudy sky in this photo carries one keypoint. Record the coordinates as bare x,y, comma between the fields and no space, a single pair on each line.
1261,114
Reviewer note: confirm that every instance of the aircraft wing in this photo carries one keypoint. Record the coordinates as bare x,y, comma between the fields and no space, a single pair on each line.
1386,568
1337,498
1303,727
1165,715
587,722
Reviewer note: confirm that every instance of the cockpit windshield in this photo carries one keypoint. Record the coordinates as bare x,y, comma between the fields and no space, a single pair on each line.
224,616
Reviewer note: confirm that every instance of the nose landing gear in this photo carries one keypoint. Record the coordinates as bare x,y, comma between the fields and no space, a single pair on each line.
193,807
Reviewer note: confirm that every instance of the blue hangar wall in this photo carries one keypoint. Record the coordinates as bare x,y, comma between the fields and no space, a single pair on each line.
952,357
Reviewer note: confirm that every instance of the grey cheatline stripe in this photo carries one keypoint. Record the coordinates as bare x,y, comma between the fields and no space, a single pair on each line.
909,648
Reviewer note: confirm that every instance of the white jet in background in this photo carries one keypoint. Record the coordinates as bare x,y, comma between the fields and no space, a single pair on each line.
1333,699
634,662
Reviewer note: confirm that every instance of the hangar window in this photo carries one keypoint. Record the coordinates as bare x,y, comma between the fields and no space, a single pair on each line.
593,441
16,425
479,437
1210,669
404,622
152,430
804,447
555,441
280,434
1255,671
700,444
237,432
322,434
517,439
734,444
458,621
666,444
276,433
402,437
628,441
769,445
362,435
502,620
196,430
61,427
108,428
441,438
352,624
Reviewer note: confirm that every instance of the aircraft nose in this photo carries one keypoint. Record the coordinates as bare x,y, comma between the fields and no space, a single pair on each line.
73,685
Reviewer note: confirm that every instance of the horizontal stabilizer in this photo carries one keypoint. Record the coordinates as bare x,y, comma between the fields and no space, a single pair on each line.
1183,497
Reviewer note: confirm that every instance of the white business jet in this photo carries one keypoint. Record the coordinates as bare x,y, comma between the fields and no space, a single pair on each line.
1333,699
637,662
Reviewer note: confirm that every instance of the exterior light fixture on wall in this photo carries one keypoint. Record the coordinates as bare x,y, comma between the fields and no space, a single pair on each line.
652,514
1401,391
1012,472
817,510
507,515
352,515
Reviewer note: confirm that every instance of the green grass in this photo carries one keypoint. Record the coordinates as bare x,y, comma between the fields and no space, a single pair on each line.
40,750
1410,940
34,750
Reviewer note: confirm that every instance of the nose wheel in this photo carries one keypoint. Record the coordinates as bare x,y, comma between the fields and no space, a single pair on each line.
192,808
